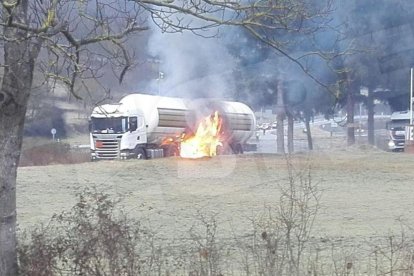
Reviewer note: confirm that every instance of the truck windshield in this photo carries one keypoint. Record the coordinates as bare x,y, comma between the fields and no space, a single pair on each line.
109,125
398,124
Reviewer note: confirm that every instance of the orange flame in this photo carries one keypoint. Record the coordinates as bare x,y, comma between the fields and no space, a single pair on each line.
206,139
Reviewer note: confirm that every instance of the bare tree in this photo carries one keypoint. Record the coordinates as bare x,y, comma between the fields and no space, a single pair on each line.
54,37
71,40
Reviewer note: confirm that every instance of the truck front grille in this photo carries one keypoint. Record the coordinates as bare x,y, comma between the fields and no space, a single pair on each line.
107,149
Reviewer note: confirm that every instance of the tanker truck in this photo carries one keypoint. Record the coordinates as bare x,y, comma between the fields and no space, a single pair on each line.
396,130
146,126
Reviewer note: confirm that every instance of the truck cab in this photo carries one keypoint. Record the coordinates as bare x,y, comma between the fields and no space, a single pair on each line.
396,130
115,133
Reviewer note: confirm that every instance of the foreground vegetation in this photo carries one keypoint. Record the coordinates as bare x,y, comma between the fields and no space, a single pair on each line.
98,237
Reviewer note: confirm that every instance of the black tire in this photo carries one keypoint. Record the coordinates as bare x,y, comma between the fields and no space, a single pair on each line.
237,148
172,150
140,153
240,148
220,150
224,149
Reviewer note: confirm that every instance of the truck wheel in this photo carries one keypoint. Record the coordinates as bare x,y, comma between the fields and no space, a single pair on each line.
140,153
172,151
240,148
224,149
219,150
237,148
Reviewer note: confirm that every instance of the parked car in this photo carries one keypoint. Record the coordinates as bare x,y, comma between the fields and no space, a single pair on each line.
265,126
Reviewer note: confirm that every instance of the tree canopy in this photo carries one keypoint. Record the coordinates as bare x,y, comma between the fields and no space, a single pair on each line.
73,40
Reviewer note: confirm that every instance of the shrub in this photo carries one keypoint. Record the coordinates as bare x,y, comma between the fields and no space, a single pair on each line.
94,238
52,153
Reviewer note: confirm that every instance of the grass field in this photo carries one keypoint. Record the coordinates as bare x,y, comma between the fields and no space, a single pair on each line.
364,192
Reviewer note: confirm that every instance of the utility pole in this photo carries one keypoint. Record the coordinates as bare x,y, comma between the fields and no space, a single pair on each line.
160,77
411,96
409,130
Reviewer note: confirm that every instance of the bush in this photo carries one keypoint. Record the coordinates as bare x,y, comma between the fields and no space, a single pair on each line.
97,238
92,239
52,153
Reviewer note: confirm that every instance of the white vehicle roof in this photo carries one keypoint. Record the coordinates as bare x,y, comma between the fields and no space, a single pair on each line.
400,115
134,104
108,110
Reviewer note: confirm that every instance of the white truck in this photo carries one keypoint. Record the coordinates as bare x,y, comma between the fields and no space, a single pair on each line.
146,126
396,130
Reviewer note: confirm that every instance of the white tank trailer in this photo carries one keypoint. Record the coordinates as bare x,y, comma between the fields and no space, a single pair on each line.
146,126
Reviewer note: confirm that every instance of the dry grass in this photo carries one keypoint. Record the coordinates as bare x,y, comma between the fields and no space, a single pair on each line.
220,215
363,192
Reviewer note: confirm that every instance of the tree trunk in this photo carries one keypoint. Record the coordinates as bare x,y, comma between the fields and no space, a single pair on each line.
308,133
281,112
290,133
19,55
371,127
350,109
11,132
280,134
